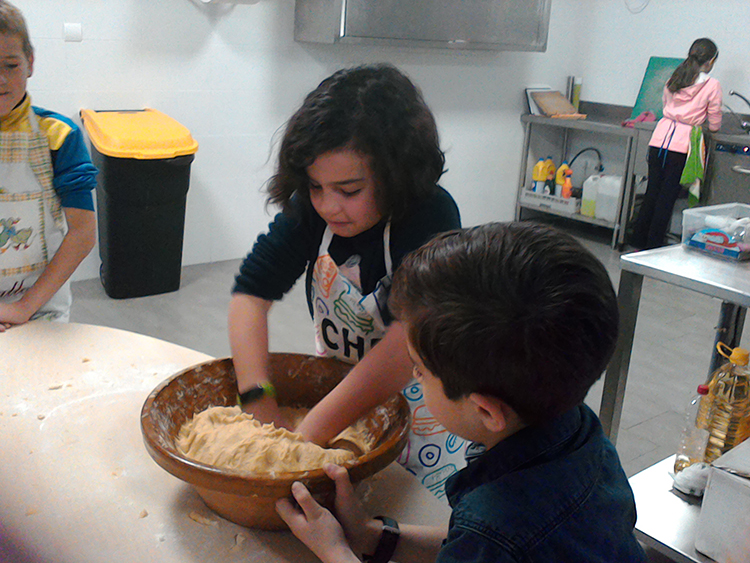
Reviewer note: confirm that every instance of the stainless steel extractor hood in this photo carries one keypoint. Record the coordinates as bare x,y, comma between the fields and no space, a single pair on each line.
499,25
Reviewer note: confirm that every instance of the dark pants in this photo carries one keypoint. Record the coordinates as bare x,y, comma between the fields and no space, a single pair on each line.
662,191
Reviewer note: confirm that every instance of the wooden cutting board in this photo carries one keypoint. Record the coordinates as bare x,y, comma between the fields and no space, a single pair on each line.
554,104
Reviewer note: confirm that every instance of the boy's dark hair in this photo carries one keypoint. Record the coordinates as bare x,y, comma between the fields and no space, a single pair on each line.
13,23
701,51
517,311
374,110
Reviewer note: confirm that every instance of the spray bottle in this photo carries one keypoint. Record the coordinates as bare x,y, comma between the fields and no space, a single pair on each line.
567,188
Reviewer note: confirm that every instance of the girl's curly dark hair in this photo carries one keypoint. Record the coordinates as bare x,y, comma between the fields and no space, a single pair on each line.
376,111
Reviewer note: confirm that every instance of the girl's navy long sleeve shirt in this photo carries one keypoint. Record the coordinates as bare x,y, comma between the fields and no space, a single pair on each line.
290,247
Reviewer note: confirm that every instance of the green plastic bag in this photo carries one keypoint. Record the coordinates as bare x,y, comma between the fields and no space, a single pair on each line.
692,174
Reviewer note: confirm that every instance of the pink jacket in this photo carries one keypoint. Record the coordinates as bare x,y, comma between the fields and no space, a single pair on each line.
688,106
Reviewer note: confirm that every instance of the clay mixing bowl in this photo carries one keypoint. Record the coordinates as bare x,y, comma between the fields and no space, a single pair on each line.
300,381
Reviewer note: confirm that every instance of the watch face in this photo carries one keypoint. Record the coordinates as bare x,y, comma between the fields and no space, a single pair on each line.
394,531
390,525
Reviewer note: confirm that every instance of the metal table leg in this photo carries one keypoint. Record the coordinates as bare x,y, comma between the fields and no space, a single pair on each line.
728,331
524,164
628,297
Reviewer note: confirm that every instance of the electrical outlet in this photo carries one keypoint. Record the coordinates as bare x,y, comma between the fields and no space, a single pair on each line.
73,32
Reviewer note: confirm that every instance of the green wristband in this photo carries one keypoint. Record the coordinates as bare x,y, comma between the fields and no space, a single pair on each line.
256,392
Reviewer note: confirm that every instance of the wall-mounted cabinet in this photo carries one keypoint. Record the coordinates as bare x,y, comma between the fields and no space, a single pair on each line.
500,25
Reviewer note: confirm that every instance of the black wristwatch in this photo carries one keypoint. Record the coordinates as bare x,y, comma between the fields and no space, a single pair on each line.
388,541
255,393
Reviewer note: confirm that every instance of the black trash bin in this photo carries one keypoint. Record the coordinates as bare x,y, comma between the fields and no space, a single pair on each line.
144,158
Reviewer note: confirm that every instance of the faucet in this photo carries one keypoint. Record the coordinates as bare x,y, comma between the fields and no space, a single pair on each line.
744,124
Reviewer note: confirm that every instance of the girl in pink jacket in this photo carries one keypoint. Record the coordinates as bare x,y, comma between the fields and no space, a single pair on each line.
690,98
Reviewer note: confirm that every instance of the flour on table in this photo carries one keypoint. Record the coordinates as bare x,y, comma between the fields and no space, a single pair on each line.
228,438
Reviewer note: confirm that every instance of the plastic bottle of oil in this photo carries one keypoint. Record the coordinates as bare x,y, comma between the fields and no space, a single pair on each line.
704,411
729,395
692,447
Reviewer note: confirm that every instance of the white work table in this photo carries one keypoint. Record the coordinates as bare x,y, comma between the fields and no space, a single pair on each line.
77,482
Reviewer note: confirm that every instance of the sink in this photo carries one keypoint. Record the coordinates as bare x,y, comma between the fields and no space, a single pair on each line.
731,131
728,170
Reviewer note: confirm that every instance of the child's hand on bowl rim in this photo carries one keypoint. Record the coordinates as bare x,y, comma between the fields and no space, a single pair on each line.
315,526
323,533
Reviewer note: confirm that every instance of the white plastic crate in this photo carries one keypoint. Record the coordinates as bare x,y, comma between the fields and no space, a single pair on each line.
721,230
545,202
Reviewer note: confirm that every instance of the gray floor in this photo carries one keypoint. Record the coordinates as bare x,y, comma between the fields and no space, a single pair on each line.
673,341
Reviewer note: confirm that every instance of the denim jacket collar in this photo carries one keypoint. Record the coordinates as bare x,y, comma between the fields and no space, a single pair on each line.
552,492
529,446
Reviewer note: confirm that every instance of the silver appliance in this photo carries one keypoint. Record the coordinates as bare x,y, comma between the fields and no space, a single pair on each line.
728,173
501,25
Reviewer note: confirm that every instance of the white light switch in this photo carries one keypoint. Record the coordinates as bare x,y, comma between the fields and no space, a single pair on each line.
72,32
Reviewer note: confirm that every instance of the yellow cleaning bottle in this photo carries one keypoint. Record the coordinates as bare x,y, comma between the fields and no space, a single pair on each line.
560,178
538,176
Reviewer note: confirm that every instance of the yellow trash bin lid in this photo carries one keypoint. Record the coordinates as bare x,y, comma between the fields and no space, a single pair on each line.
145,134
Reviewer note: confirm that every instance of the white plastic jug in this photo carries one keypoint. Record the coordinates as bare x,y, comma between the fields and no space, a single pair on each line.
608,194
589,193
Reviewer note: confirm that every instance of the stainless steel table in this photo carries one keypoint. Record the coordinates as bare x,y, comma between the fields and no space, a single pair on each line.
77,482
667,519
676,265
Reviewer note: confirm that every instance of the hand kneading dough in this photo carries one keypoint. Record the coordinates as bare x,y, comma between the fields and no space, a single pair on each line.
228,438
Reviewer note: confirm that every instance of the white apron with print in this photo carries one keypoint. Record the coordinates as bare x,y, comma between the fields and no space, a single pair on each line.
347,326
32,224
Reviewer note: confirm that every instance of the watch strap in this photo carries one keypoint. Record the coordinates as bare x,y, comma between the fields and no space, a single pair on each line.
388,541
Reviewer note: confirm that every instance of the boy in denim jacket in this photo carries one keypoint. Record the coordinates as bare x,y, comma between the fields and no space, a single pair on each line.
509,325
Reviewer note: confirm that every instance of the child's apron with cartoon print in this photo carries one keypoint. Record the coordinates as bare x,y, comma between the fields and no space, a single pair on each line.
32,224
347,326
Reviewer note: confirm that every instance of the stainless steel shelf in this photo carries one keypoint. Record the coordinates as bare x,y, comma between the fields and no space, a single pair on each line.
572,216
602,119
580,124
